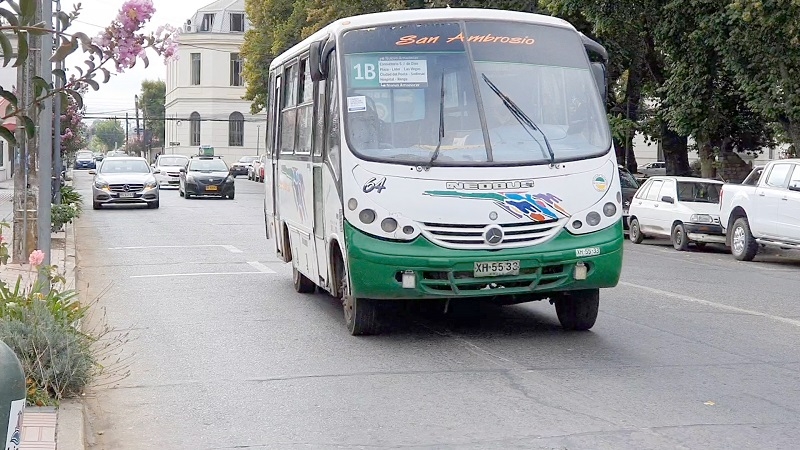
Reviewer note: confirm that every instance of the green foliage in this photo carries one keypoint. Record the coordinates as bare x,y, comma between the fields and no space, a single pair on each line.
69,208
70,196
109,133
151,100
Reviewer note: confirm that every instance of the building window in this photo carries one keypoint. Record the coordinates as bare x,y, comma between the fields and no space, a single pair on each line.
236,129
196,69
208,22
236,69
194,129
237,22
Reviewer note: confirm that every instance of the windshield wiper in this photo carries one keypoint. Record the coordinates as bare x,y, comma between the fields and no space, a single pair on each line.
523,119
441,125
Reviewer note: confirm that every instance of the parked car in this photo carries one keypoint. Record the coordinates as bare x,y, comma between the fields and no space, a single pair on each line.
764,214
124,180
653,169
629,188
98,156
84,159
167,169
206,176
242,167
257,169
682,209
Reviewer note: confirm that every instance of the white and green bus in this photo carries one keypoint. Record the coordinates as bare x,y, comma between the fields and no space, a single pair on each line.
444,154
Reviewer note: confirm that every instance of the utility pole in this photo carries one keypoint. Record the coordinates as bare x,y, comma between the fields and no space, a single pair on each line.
45,143
24,228
126,129
58,162
258,139
136,102
144,129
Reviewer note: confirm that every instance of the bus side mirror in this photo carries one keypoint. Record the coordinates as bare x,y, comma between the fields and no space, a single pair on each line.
314,54
600,77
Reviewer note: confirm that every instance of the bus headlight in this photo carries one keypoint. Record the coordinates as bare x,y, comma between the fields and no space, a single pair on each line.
388,225
367,216
352,204
609,209
593,218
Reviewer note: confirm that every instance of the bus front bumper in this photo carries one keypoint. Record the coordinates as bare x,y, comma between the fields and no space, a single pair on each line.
378,267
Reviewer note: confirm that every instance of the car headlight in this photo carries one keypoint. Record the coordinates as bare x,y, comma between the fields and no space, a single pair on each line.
151,184
101,184
701,218
229,180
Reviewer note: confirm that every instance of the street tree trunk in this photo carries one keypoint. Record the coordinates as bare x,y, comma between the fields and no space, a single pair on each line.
706,153
26,181
675,149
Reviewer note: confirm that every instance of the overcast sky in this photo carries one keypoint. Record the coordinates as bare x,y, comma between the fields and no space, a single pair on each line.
116,97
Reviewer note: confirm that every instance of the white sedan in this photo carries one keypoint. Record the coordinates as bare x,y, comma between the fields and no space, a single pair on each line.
167,170
682,209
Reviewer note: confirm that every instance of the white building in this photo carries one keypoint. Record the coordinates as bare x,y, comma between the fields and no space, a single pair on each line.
204,104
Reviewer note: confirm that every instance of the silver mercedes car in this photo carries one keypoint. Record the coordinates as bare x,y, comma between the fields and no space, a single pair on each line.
124,179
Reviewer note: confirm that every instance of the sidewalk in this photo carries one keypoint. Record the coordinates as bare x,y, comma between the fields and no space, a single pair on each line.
47,428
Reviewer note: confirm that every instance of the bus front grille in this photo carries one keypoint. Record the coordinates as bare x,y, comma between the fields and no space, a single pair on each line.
473,235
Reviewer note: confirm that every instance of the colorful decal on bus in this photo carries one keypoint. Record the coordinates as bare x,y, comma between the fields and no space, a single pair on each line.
536,207
298,189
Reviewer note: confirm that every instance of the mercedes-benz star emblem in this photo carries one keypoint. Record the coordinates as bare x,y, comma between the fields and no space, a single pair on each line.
493,236
127,188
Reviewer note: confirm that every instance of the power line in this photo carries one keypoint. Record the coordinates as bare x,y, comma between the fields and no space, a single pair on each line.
178,119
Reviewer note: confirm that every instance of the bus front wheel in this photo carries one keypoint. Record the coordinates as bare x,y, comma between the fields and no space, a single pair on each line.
360,314
577,310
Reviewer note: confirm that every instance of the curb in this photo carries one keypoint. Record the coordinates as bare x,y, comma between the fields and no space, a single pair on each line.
70,426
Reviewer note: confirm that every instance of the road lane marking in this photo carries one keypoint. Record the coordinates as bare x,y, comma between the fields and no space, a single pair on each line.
197,274
260,267
687,298
229,248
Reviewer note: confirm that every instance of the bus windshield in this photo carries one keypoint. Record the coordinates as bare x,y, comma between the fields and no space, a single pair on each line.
421,93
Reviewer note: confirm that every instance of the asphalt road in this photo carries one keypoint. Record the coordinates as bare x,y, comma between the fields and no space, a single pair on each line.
692,350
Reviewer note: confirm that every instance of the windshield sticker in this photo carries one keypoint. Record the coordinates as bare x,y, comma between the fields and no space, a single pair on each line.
488,38
536,207
357,103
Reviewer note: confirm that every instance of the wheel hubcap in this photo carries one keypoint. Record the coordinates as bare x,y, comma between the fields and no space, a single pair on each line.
678,237
738,240
635,230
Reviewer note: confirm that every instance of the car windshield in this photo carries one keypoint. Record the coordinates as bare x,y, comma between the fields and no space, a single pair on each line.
84,155
247,159
698,192
172,161
627,180
413,91
207,165
125,166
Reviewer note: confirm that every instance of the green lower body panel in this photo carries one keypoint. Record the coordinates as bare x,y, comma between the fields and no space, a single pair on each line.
376,266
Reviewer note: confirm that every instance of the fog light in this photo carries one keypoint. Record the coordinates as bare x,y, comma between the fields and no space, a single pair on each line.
593,218
609,209
619,197
352,204
409,280
408,229
388,225
577,224
581,271
367,215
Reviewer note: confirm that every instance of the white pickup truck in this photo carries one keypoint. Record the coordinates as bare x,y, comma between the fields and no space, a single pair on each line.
764,214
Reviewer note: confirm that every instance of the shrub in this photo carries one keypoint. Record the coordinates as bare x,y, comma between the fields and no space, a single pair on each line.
57,360
70,196
71,206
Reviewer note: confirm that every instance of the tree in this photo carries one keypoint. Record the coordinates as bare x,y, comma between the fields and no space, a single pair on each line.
73,129
151,100
109,133
763,52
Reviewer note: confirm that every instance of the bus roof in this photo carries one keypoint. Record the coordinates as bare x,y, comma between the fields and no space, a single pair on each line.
416,16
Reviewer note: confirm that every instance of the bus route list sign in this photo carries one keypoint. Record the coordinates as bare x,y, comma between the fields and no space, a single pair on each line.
373,71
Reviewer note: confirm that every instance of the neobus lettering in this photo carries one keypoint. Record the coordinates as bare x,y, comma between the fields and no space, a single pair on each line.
489,185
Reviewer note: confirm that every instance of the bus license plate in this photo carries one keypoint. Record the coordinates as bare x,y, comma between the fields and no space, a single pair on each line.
496,269
126,194
211,188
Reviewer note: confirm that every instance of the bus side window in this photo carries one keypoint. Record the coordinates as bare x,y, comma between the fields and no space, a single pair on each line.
269,138
332,130
289,112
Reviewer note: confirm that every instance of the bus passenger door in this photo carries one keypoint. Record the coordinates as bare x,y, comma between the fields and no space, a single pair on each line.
320,236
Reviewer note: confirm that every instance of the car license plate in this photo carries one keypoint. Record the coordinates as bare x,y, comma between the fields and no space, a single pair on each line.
496,269
125,194
211,188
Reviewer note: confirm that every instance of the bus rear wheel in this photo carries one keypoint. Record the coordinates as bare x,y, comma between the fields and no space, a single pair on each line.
577,310
301,283
360,314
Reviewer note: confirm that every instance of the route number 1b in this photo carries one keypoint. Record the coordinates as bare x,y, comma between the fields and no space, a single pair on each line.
364,71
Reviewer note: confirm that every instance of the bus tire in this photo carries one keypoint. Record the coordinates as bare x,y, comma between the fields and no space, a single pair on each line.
360,314
301,283
577,310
